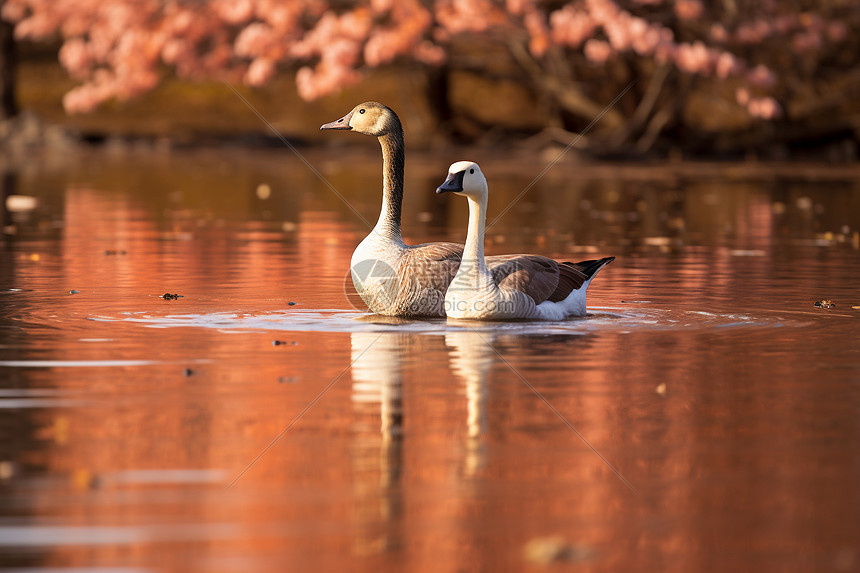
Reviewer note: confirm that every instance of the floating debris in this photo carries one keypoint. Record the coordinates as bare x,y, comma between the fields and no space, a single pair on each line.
264,191
291,303
168,296
74,291
661,389
826,303
284,343
188,372
21,203
83,479
747,252
114,252
288,380
548,550
7,469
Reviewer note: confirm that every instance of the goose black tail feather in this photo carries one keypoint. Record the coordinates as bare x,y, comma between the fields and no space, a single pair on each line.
590,268
573,275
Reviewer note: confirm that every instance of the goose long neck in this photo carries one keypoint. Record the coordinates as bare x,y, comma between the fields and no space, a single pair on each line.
393,162
474,251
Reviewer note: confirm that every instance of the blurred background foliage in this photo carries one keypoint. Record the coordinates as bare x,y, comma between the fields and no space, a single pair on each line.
776,79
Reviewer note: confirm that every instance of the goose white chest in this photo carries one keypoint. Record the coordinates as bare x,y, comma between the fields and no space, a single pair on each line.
374,272
390,277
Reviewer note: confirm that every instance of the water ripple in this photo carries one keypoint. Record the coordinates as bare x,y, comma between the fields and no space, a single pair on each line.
328,320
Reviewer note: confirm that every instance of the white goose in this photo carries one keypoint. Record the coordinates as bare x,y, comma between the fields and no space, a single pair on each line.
479,293
397,279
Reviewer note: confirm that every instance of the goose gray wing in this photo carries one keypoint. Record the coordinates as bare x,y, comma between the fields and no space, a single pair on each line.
534,275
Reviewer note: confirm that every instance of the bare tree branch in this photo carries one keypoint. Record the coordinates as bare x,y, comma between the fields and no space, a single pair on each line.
568,96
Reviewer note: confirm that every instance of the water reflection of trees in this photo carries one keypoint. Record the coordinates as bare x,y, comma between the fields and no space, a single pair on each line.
628,210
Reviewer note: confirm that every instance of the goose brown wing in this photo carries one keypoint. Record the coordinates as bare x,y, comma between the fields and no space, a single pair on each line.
433,265
534,275
570,278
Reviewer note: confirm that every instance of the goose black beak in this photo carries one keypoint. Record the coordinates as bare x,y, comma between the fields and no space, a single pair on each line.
341,124
453,184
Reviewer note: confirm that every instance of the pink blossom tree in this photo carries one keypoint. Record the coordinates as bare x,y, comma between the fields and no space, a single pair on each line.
572,53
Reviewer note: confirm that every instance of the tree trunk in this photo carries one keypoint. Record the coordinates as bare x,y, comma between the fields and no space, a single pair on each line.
8,65
437,98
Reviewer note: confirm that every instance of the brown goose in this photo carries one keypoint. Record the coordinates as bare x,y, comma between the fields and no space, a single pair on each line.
397,279
394,278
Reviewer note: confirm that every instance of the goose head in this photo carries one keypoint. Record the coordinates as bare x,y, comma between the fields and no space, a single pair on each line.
369,118
465,178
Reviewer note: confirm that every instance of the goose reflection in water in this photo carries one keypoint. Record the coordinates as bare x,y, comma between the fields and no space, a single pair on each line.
381,364
471,357
377,382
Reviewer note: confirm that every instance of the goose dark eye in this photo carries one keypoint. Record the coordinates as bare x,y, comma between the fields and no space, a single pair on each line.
471,170
361,111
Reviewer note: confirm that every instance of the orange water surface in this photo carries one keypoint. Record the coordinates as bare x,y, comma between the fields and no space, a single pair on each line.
705,416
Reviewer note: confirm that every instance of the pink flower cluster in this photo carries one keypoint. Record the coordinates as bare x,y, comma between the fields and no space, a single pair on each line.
105,45
571,26
761,107
336,41
689,9
575,24
582,24
808,31
476,16
342,42
118,48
